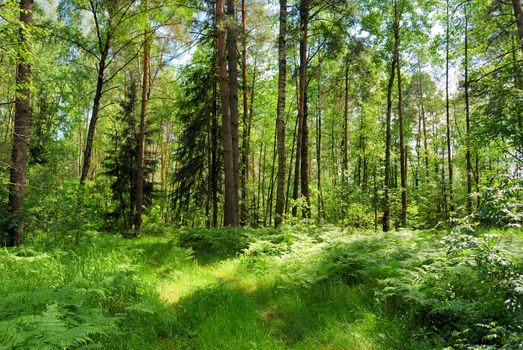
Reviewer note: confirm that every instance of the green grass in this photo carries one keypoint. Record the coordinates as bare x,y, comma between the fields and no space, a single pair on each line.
298,288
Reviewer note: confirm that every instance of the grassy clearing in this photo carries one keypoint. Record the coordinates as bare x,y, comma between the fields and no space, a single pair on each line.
299,288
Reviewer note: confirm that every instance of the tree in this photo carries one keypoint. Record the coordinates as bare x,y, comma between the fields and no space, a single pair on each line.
245,136
232,63
231,199
447,111
388,138
280,121
403,151
22,126
518,13
141,136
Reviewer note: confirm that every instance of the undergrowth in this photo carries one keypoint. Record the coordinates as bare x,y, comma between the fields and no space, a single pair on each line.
297,288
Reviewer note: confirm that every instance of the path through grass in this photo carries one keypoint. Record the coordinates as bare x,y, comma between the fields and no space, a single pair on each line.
300,288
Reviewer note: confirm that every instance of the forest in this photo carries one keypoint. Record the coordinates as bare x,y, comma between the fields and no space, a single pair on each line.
261,174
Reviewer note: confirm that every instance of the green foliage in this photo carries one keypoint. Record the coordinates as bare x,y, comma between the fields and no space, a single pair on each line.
121,165
199,130
501,203
54,297
299,287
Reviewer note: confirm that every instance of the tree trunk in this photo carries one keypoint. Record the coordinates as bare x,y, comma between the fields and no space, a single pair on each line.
518,13
96,109
22,127
290,167
245,150
280,120
346,123
403,158
467,117
424,126
304,25
386,200
447,110
297,165
261,196
231,204
318,148
214,154
271,181
232,60
141,139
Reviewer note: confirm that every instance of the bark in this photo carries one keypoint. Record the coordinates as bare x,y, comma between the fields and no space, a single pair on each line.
214,156
447,113
418,152
260,163
403,155
271,183
290,166
95,110
297,165
467,119
280,121
477,180
346,123
245,151
261,196
141,140
305,164
231,204
518,13
386,200
424,126
21,129
232,60
318,149
304,153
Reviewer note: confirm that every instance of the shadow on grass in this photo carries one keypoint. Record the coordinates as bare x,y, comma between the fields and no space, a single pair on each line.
337,310
210,246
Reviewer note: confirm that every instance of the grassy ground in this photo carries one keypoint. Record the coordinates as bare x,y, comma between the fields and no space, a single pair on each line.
300,288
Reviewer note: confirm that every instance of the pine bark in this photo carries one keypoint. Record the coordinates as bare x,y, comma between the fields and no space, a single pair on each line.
346,122
403,153
388,137
304,153
447,114
280,121
467,117
141,140
245,141
22,127
232,60
518,13
230,205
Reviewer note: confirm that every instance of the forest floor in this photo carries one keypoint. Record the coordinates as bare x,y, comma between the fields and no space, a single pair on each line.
299,288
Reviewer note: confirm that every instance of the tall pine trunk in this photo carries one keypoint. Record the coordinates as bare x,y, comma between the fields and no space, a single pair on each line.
280,121
388,137
518,13
304,153
467,116
297,164
245,141
346,122
231,204
141,138
22,127
403,153
447,114
232,60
